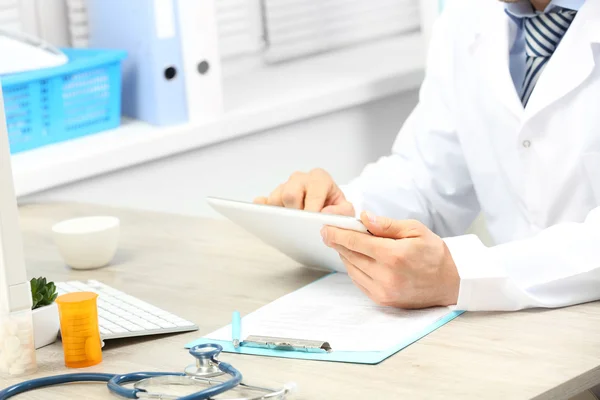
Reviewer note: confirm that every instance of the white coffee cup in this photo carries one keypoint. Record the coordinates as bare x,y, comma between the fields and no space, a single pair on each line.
87,242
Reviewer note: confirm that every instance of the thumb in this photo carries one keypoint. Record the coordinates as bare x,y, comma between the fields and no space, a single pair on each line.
391,228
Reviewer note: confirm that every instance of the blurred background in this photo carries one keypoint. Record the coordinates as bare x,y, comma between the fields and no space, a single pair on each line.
156,104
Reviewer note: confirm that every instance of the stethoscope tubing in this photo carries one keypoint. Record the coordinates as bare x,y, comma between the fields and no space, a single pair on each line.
116,380
39,383
114,384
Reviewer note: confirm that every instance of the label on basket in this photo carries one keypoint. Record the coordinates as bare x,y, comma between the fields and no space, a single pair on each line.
164,19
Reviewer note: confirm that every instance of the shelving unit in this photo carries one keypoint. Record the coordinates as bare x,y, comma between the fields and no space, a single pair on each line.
257,99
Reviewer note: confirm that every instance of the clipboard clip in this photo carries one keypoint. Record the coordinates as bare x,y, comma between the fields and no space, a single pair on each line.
277,343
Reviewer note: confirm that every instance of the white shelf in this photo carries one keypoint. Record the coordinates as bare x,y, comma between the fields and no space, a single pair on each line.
259,99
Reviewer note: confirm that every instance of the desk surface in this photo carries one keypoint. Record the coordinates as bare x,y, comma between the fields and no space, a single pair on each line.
203,269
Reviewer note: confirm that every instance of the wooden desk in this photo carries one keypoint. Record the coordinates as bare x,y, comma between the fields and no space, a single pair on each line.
204,269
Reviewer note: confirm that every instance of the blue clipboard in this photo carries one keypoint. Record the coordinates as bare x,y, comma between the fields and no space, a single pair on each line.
355,357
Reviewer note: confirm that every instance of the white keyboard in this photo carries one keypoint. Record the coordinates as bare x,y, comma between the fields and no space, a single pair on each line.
121,315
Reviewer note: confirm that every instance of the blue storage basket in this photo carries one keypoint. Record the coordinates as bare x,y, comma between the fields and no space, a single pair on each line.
56,104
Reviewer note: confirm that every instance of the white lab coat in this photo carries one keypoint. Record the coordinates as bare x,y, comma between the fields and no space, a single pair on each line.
534,173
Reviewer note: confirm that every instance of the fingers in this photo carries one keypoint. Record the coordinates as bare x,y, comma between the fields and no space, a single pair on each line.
345,208
275,197
318,189
260,200
358,242
358,277
292,194
311,191
360,261
362,288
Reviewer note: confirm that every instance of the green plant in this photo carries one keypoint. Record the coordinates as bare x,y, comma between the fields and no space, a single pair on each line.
42,293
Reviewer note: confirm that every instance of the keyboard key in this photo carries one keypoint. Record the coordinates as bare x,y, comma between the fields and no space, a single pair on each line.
104,331
135,320
148,325
144,315
119,329
151,309
119,303
111,317
120,312
132,327
132,309
109,299
129,299
171,318
121,321
148,308
113,328
104,322
165,324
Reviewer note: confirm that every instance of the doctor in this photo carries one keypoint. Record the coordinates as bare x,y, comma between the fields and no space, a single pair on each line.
508,124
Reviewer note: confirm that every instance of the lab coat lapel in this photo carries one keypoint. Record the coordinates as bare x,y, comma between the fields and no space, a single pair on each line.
572,62
493,36
490,49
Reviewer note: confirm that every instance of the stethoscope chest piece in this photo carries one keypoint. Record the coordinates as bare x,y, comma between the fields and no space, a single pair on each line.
205,367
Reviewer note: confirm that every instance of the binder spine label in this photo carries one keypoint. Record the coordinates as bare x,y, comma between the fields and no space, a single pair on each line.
164,19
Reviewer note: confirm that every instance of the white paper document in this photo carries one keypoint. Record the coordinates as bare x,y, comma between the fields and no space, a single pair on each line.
334,310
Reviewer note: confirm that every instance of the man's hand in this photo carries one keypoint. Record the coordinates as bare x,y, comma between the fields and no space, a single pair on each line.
314,191
403,264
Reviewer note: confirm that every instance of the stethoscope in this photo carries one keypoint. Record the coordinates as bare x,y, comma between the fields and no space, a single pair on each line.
207,367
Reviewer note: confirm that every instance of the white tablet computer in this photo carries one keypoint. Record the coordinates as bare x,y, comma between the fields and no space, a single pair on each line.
296,233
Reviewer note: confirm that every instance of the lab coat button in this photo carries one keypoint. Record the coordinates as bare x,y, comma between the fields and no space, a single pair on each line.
526,143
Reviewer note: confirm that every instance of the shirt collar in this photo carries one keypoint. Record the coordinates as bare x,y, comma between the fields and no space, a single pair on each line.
523,8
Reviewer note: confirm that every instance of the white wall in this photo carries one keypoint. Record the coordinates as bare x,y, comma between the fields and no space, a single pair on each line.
342,143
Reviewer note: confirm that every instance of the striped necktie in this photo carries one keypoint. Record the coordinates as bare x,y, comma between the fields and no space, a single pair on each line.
543,33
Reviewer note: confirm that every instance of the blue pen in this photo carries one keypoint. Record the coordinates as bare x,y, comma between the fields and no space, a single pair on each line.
236,327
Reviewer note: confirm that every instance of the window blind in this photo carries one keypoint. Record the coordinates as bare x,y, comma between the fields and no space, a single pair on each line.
10,15
20,16
78,23
295,28
239,26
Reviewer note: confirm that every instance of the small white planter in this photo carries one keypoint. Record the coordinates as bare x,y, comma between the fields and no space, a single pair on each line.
46,325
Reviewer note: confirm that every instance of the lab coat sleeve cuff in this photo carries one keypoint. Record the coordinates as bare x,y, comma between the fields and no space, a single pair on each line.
478,277
354,196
